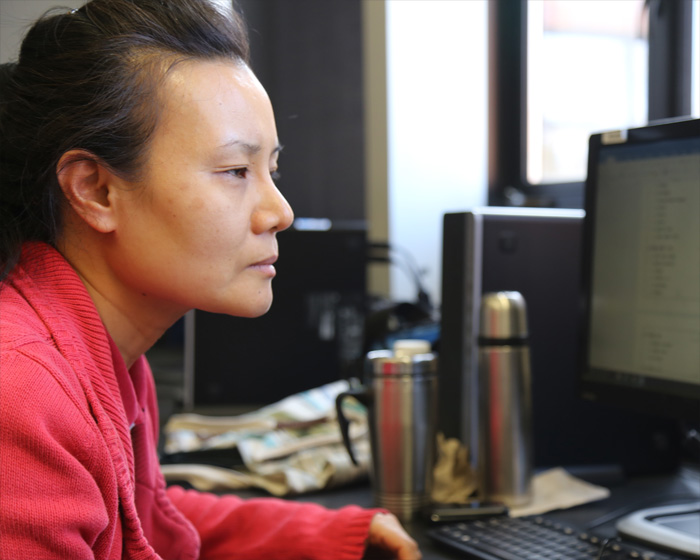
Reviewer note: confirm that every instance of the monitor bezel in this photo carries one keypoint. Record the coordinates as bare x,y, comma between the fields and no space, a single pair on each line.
656,402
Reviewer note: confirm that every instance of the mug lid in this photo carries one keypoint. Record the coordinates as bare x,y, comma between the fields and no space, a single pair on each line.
385,362
411,347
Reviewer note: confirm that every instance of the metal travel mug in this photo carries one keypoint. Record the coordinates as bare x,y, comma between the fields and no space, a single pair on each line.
401,401
505,416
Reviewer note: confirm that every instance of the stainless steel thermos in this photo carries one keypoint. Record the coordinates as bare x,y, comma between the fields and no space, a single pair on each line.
505,417
401,400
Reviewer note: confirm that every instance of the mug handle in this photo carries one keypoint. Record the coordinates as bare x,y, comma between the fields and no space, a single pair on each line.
364,396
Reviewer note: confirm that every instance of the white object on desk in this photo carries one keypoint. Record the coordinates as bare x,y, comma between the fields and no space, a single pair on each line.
676,527
557,489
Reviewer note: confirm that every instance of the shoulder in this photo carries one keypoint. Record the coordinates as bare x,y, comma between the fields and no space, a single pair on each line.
19,322
57,476
37,381
29,358
28,349
40,391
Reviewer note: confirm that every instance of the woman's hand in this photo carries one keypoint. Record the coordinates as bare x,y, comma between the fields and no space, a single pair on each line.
389,539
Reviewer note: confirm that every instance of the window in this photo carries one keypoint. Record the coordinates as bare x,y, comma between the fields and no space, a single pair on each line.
586,72
561,69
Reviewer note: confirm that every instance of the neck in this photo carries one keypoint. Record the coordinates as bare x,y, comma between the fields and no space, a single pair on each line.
132,338
133,321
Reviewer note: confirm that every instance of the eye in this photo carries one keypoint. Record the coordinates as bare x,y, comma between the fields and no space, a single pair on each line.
239,172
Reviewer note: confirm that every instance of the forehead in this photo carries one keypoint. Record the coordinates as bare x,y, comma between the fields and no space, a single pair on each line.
213,103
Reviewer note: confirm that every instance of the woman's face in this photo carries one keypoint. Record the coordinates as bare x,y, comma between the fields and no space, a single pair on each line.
199,230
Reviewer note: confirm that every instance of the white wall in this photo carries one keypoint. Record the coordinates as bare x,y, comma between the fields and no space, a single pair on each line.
437,125
695,88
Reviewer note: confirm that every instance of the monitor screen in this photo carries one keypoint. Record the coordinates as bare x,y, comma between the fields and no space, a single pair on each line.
641,265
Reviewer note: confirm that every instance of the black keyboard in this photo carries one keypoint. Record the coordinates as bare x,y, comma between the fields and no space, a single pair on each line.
535,538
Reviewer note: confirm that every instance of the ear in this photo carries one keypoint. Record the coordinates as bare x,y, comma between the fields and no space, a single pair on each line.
87,184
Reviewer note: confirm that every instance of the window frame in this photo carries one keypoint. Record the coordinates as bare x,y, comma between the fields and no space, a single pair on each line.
669,91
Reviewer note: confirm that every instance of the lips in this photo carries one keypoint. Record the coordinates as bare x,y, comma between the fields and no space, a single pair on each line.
269,261
266,266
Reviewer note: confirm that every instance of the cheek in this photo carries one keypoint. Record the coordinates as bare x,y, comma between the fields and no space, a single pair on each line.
197,205
217,231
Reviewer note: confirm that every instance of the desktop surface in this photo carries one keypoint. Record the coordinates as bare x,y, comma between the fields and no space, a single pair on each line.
626,496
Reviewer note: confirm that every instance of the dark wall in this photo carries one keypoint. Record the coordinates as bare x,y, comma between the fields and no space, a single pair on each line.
308,55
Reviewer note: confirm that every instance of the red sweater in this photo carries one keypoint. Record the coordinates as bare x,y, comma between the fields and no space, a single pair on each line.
79,474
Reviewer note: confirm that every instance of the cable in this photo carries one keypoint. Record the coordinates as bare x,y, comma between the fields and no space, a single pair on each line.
409,266
602,548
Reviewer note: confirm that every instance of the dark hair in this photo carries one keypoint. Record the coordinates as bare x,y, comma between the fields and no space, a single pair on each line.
88,79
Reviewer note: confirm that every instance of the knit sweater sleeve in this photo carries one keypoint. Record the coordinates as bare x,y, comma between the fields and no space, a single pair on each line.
263,528
55,481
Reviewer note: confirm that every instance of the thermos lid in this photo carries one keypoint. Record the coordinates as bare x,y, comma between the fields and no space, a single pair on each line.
503,316
385,362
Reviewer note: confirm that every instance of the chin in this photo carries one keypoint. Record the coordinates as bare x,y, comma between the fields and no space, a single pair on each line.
252,314
235,304
251,310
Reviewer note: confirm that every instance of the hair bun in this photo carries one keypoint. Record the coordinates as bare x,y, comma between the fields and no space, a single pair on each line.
7,71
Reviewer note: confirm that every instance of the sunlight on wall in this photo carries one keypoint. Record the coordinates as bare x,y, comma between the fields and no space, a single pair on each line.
437,115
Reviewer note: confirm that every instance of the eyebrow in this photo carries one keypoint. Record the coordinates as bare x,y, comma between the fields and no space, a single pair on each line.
248,147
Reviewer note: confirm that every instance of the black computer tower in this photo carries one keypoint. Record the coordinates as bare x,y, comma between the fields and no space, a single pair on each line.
536,252
312,335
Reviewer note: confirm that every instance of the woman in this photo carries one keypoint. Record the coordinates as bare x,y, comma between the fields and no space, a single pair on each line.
138,156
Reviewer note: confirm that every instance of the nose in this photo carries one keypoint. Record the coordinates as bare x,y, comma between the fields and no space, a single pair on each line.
274,212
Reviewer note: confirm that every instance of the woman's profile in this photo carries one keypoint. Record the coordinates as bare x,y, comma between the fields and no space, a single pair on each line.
136,183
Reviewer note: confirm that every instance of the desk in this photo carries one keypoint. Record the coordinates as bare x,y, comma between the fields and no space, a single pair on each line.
625,497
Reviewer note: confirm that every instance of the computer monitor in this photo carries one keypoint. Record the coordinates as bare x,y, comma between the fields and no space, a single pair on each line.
641,289
641,270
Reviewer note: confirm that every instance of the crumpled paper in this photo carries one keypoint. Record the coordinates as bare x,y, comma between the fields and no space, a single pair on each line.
289,447
456,482
305,471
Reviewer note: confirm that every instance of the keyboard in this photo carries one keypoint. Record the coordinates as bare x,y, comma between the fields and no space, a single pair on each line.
535,538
